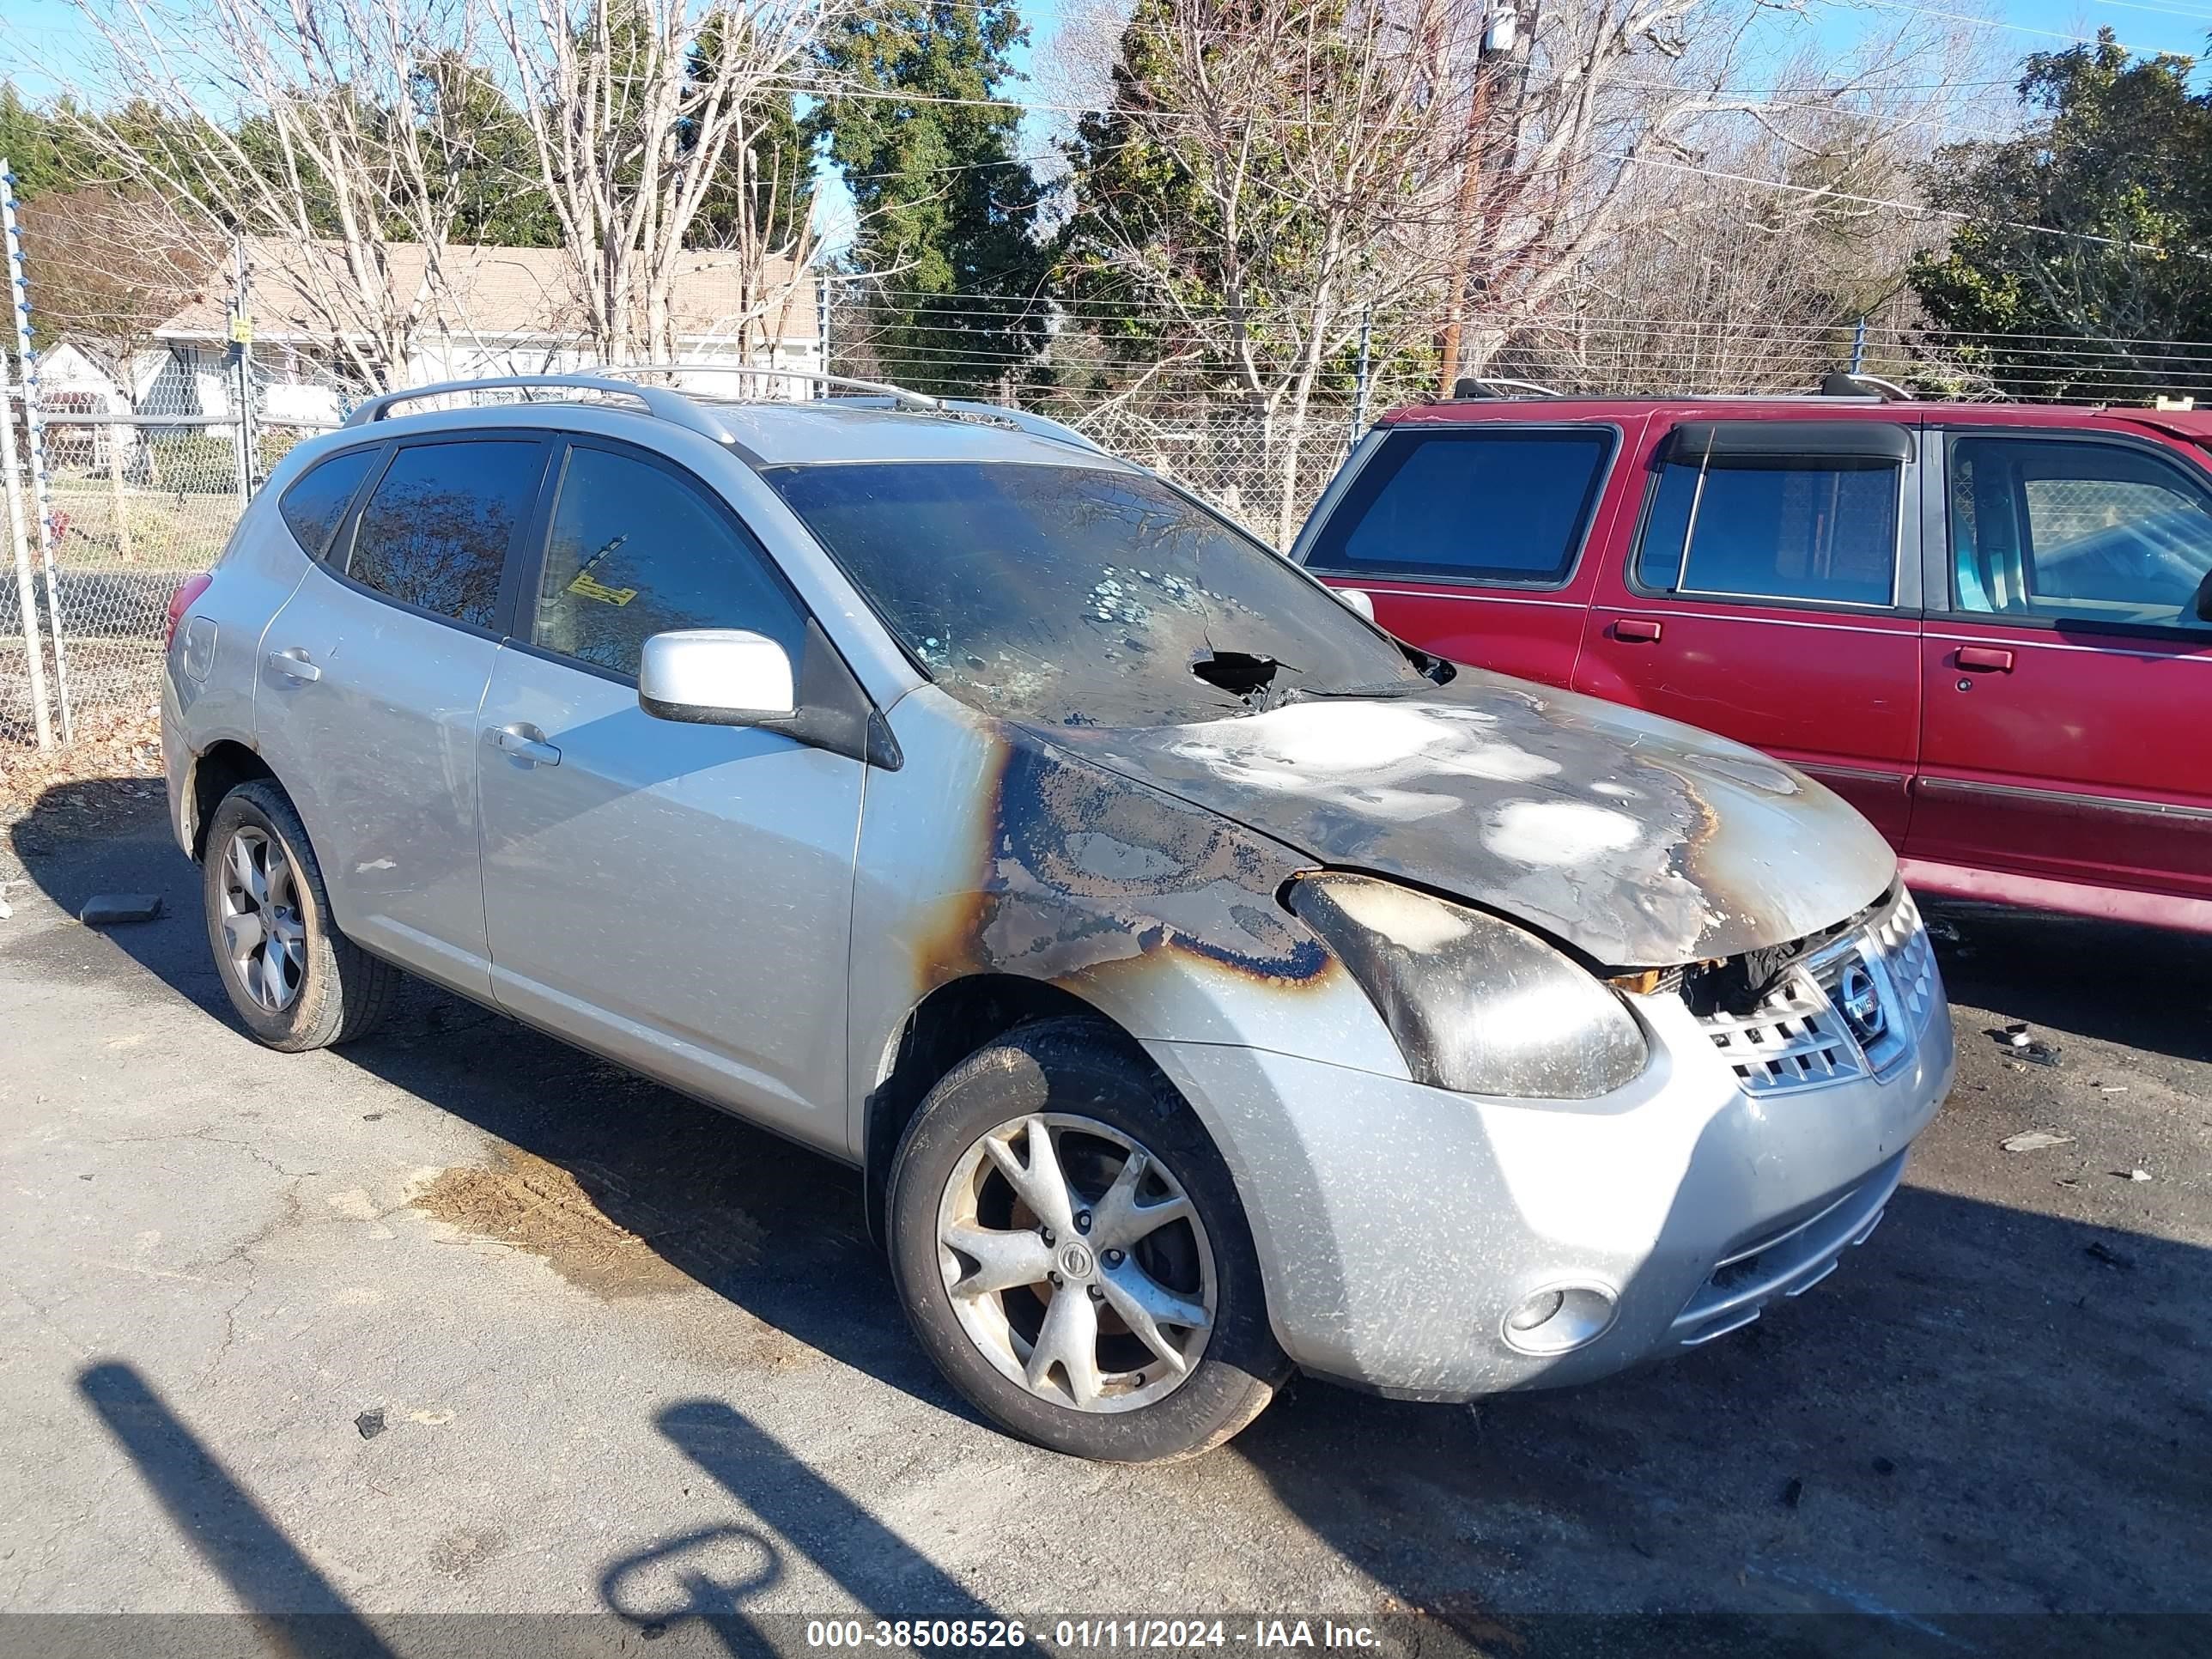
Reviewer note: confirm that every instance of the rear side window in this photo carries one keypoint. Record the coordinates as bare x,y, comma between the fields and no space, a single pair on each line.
2084,532
1819,529
636,552
1502,506
436,530
318,499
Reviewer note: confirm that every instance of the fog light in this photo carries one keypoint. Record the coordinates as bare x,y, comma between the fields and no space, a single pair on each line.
1535,1310
1561,1319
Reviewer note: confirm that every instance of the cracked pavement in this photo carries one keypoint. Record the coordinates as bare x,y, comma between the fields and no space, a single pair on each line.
637,1349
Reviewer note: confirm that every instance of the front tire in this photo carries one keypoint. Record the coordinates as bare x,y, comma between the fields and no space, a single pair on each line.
296,981
1069,1248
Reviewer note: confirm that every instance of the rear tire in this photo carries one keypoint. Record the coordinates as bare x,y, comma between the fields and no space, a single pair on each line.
296,981
1145,1341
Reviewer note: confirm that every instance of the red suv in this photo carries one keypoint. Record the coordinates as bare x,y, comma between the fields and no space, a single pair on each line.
1988,627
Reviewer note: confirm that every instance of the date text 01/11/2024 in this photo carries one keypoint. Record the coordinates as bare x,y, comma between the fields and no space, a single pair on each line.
1082,1634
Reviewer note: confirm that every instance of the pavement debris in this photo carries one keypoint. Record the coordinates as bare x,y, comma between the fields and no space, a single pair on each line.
370,1423
1793,1493
2133,1175
104,909
2033,1141
2097,1250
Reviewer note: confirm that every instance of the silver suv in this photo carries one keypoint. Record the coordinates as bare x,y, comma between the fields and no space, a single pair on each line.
1206,982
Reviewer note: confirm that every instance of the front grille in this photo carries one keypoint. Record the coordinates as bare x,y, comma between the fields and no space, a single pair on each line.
1794,1038
1797,1037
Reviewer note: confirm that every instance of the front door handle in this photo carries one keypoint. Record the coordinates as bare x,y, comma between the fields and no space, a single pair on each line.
1636,630
1987,658
294,664
525,743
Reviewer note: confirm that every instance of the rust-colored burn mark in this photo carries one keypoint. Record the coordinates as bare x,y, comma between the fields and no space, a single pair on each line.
526,1201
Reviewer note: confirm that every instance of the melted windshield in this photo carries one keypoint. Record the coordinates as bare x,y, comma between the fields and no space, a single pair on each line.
1073,595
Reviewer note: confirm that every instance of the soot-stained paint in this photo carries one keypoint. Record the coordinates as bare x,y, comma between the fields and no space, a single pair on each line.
1636,841
1088,867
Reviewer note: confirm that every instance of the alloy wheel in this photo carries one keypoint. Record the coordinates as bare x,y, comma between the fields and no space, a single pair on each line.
263,933
1077,1263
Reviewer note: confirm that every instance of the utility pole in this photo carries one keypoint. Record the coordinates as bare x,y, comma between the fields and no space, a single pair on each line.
1503,37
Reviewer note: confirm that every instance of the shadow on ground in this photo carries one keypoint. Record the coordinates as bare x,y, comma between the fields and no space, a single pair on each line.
1988,1408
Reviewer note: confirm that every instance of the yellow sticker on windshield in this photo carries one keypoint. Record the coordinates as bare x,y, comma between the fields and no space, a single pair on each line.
584,587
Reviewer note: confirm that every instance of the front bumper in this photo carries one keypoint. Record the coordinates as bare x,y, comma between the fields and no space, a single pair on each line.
1398,1226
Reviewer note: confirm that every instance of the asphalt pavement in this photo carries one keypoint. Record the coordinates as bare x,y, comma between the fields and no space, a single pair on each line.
459,1321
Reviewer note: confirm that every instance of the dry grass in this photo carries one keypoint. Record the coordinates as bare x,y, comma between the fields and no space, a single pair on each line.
121,741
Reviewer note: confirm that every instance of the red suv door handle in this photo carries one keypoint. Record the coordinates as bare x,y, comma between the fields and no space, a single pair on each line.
1985,656
1636,630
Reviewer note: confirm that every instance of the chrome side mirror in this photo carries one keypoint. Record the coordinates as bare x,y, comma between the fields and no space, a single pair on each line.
1355,600
715,677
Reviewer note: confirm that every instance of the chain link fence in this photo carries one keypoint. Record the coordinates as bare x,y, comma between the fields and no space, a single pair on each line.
119,505
1264,472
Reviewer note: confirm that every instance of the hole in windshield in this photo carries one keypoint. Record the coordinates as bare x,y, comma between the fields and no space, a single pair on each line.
1085,595
1237,672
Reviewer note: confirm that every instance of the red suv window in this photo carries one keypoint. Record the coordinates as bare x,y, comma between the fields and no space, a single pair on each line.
1819,529
1503,506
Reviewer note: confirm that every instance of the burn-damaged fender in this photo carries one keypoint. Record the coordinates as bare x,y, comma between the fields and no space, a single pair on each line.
993,851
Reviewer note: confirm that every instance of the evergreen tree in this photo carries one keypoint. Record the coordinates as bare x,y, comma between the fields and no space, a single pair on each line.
2095,223
947,208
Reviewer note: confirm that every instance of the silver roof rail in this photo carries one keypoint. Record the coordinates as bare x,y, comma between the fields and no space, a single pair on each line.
897,394
658,402
1037,426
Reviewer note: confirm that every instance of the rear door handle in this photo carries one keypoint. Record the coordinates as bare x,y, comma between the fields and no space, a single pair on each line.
294,664
1985,656
525,743
1636,630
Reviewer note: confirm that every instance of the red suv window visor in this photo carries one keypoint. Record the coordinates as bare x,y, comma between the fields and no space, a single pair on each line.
1750,443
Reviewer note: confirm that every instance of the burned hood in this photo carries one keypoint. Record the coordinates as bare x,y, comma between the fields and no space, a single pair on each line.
1639,842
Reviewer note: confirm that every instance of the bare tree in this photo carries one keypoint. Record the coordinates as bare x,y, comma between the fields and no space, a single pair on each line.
1307,192
1621,116
112,266
345,130
1747,269
1270,176
635,108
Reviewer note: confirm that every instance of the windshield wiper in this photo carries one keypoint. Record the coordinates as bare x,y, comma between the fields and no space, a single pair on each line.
1380,692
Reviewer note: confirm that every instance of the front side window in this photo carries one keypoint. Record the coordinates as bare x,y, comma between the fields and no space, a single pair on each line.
1079,595
635,551
319,498
2083,532
1817,529
437,529
1502,506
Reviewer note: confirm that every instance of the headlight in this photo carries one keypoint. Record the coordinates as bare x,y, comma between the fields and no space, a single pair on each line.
1476,1004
